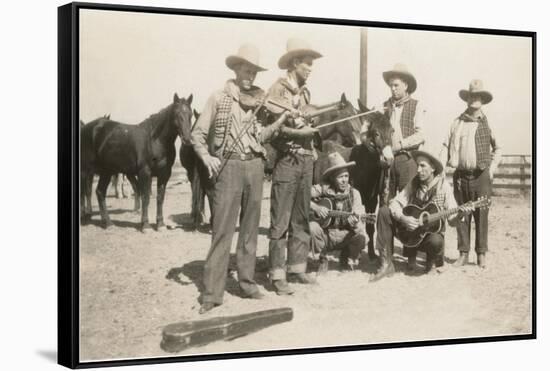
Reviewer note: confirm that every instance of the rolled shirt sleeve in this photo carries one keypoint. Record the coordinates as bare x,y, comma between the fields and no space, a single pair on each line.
400,201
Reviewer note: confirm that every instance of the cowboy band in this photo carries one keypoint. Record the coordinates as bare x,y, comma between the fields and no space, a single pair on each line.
234,139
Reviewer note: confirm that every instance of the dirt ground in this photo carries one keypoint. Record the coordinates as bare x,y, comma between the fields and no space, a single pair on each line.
134,284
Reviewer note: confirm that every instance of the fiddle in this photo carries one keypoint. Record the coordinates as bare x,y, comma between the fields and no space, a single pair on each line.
256,99
251,99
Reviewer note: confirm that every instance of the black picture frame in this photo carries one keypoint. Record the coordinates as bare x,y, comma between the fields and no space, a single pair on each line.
68,182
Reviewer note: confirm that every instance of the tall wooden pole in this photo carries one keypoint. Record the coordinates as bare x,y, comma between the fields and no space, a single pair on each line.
363,67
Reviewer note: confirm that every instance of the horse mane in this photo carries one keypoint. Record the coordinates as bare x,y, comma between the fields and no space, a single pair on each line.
154,123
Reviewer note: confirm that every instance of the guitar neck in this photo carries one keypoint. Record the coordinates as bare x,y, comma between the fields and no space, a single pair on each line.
446,213
336,213
442,215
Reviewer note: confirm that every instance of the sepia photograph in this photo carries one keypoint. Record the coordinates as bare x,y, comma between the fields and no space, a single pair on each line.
253,185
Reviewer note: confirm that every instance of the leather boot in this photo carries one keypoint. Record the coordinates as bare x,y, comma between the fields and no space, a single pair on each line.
411,263
282,287
323,266
386,270
462,259
301,278
481,260
429,264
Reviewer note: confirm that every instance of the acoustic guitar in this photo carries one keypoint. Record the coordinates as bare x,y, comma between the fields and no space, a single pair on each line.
430,219
328,221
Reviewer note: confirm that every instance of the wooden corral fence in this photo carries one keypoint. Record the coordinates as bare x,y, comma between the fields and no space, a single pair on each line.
514,173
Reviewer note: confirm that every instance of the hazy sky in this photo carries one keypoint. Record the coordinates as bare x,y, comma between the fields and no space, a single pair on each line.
131,64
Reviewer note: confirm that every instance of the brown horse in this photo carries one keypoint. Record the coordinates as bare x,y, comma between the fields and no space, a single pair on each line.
140,151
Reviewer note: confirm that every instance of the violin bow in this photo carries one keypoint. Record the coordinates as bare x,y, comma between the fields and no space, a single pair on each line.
346,119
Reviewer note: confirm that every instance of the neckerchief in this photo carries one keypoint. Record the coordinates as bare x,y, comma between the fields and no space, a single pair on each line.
400,102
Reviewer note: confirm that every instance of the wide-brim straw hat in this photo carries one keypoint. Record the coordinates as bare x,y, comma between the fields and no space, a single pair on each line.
296,48
436,164
476,88
336,162
247,53
401,71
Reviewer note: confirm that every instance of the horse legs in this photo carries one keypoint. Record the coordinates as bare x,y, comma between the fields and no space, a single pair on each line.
162,180
83,217
89,182
144,184
134,183
101,192
117,184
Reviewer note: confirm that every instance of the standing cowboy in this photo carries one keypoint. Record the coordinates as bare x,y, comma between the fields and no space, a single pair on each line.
343,233
427,186
471,148
407,117
293,172
224,132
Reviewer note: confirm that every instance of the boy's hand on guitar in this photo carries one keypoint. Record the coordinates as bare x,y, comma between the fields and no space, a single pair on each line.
321,211
353,220
410,222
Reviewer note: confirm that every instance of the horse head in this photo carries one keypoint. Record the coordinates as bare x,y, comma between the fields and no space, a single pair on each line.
346,132
182,115
376,134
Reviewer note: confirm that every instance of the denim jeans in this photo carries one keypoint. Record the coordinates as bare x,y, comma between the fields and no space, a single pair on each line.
470,188
289,231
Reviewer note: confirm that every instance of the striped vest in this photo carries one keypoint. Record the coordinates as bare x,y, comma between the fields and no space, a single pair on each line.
483,141
222,123
407,116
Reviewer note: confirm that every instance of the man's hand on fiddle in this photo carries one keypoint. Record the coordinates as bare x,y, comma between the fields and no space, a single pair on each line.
410,222
299,123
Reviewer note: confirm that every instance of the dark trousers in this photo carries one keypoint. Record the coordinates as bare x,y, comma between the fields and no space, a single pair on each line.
290,198
469,187
433,244
403,169
348,242
237,188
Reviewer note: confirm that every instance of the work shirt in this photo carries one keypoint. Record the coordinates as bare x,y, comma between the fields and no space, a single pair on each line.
437,191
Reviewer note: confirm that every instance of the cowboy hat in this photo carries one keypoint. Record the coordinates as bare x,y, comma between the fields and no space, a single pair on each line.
296,48
436,164
336,162
476,88
401,71
247,53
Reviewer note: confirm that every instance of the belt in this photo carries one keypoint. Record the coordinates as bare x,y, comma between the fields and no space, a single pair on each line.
469,173
241,156
301,151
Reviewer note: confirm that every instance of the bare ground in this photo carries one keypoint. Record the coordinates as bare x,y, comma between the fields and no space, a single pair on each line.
134,284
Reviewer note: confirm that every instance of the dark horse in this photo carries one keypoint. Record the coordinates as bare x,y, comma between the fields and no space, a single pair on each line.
372,155
140,151
373,158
